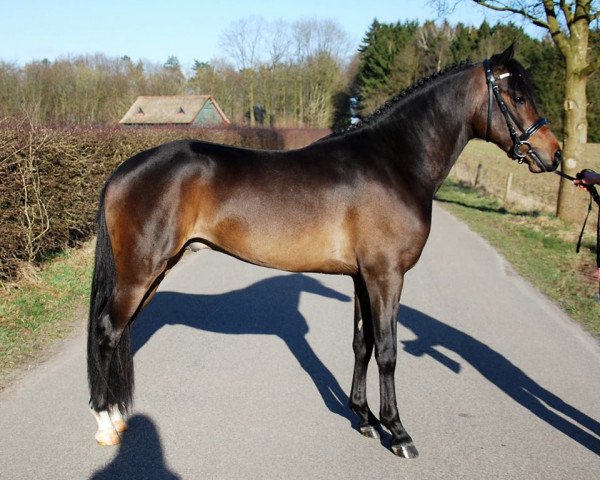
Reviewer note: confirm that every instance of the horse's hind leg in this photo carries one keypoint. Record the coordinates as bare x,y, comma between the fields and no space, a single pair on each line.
132,252
111,423
112,392
363,348
112,387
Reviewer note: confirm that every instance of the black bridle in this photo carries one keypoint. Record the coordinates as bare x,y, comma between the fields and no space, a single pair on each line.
521,147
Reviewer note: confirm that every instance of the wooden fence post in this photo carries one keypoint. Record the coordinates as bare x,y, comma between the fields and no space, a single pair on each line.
508,186
478,175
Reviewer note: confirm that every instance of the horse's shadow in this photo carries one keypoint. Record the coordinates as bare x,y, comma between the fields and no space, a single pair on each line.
268,307
497,369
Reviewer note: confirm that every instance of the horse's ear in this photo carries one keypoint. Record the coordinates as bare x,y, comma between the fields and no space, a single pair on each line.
502,59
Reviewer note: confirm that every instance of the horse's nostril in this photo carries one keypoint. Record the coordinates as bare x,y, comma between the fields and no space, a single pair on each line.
557,157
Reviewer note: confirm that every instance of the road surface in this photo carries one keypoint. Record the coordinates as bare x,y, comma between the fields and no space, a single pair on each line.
244,372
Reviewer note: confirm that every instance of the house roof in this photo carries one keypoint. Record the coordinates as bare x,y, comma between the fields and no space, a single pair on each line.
178,109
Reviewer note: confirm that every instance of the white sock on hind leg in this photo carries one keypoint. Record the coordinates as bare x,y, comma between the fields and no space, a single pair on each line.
106,434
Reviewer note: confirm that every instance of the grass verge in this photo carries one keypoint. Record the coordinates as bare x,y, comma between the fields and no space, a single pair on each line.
42,308
539,246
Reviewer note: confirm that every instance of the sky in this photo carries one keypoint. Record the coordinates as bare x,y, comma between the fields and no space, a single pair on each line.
155,30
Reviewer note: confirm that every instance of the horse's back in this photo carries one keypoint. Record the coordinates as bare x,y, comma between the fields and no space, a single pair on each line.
267,207
305,210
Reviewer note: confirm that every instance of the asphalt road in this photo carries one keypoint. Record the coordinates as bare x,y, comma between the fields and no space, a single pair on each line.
244,372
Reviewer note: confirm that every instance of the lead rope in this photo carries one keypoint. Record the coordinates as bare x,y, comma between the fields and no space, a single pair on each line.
594,197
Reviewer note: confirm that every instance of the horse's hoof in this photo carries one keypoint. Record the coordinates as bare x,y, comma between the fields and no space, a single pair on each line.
120,426
106,439
405,451
369,431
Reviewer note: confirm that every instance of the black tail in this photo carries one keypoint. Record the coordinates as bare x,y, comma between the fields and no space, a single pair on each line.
116,387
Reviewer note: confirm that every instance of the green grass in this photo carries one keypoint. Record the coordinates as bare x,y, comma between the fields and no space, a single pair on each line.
42,308
539,246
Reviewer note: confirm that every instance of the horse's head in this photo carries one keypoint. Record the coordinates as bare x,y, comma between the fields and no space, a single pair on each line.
508,115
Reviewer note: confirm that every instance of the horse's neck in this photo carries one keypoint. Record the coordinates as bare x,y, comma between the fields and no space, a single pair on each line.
426,132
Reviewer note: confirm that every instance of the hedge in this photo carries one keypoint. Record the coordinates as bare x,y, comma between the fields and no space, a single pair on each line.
51,179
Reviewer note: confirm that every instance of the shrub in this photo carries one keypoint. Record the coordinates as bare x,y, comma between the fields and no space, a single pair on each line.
51,178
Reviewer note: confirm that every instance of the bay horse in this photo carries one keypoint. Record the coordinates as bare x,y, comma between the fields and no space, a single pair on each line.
355,203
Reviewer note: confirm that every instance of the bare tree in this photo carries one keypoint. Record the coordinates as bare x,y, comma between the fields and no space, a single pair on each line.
312,36
321,47
436,41
35,220
278,43
291,69
242,42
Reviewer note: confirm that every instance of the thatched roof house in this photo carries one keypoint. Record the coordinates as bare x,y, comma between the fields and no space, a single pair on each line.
200,110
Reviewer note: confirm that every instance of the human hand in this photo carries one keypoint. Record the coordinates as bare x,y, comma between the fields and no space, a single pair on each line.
586,177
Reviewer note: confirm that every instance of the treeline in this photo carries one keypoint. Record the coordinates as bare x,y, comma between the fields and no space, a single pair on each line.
292,70
82,90
302,74
394,56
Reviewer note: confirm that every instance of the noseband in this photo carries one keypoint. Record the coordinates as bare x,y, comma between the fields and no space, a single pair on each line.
521,147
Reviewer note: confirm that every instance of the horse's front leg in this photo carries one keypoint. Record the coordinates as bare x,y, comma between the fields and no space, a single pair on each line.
363,349
384,289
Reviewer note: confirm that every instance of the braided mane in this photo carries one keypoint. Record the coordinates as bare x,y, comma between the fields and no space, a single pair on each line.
391,103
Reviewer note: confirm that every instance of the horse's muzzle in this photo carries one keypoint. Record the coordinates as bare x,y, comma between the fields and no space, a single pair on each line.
557,159
543,165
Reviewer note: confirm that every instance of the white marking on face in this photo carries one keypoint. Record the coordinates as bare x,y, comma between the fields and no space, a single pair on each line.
359,325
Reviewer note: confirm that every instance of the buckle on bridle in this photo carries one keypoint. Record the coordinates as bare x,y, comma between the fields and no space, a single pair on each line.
518,155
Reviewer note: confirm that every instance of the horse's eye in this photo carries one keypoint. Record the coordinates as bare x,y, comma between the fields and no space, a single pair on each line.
520,100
